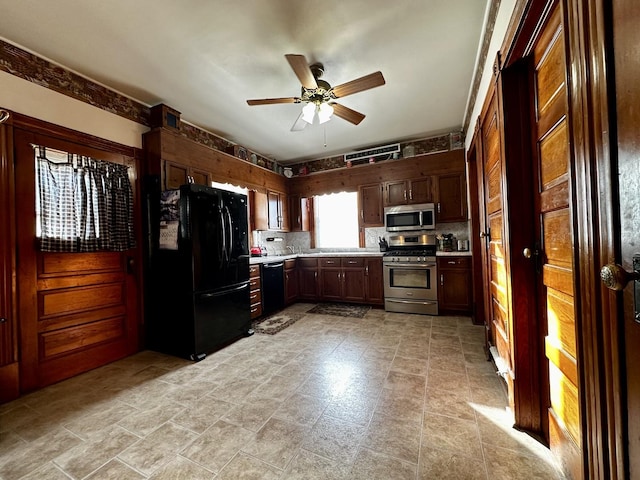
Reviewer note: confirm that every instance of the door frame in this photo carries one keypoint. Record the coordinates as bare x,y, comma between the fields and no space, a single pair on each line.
588,27
89,143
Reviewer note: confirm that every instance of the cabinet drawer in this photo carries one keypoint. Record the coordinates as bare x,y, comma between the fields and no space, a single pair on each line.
353,262
255,296
256,310
308,262
254,271
254,283
454,262
290,264
329,262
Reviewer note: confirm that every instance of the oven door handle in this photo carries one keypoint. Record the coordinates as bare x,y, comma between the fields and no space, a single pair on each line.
395,264
412,302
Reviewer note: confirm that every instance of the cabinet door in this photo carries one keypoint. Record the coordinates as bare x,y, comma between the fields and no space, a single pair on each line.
200,177
421,190
290,286
259,211
395,193
174,175
451,198
370,199
273,201
299,213
331,283
308,284
374,287
284,213
353,287
454,289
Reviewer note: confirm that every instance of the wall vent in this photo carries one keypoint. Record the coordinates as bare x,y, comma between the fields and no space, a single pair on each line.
377,152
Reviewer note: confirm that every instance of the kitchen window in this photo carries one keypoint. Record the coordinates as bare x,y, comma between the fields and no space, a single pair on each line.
336,220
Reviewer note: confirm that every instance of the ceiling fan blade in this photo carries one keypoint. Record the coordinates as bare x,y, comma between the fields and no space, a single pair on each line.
301,68
347,114
299,124
359,84
271,101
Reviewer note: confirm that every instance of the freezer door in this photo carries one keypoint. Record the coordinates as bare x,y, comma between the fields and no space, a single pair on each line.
220,317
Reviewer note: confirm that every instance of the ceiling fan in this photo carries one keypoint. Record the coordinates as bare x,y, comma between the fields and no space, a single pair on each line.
319,95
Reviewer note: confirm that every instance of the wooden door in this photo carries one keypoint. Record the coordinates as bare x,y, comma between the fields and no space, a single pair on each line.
273,202
77,310
370,198
9,381
451,198
626,38
175,175
553,250
421,190
396,193
499,315
374,290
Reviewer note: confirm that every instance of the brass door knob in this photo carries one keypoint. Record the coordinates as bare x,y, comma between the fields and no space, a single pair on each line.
527,253
616,278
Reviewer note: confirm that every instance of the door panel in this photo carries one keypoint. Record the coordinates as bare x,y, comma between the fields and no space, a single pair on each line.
554,227
77,310
500,334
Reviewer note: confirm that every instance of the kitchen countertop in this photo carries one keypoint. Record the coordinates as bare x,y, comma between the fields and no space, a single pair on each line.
367,253
279,258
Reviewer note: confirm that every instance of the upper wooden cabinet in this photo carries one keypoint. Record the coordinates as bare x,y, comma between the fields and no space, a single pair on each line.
300,210
259,210
278,208
175,174
370,205
451,198
407,192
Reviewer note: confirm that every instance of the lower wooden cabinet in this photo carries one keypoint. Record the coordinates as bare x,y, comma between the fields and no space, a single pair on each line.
290,281
255,291
308,285
374,283
455,293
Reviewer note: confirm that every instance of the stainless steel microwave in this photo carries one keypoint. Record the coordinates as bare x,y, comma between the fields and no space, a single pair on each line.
410,217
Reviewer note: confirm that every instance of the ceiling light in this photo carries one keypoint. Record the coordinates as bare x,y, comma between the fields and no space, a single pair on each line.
324,112
308,112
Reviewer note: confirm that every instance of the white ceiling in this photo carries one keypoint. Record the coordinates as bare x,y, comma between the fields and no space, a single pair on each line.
205,58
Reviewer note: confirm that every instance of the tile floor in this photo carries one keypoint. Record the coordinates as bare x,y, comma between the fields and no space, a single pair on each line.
389,396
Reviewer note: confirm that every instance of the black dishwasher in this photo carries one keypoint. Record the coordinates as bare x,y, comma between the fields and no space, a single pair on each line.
272,287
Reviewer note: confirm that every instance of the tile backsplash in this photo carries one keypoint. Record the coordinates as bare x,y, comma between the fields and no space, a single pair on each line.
279,242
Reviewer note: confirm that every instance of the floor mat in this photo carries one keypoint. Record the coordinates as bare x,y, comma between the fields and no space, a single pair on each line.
340,309
275,323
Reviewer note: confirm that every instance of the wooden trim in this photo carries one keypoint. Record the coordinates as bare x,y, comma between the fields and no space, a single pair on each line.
529,398
349,179
9,371
474,172
588,26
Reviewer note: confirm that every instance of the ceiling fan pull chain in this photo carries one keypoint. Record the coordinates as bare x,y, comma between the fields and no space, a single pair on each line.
325,137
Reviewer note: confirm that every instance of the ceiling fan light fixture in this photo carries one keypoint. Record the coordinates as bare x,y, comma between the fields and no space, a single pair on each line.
324,112
308,112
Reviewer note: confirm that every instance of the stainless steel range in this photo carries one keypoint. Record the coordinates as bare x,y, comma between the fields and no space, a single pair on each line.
410,276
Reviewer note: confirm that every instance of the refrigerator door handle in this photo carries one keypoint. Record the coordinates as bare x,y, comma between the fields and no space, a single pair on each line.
224,236
225,292
230,246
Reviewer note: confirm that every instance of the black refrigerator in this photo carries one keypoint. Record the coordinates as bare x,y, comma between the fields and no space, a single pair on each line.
198,284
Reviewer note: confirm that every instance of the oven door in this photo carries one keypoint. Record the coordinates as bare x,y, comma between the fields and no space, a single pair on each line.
411,287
